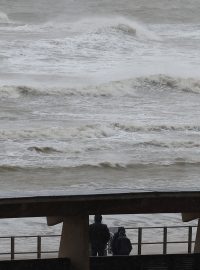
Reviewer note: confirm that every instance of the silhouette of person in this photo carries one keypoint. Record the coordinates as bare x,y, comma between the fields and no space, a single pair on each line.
113,241
122,244
99,236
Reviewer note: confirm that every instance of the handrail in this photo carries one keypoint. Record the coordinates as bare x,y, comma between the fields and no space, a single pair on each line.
140,243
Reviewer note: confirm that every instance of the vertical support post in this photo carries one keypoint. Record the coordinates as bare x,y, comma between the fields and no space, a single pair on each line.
39,245
197,240
139,241
165,240
12,247
74,242
189,239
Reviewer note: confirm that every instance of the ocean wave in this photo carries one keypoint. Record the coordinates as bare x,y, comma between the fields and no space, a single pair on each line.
10,168
176,162
22,91
114,24
85,131
9,91
190,85
111,89
99,25
99,131
124,28
155,128
174,144
44,150
180,162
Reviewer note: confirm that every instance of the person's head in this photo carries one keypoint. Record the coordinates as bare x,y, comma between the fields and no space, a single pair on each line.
97,218
121,231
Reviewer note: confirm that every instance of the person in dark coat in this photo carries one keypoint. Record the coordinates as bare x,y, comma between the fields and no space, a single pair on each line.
113,241
99,236
123,244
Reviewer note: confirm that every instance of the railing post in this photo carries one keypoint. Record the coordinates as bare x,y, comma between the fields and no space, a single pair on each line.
39,242
189,239
12,247
139,241
165,240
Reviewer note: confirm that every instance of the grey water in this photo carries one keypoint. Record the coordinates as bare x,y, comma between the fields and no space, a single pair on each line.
99,95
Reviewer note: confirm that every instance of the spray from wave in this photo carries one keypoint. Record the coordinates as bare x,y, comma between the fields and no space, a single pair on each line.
94,25
4,18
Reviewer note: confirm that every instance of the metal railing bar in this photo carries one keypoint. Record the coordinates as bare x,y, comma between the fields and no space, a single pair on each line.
35,236
5,253
165,240
30,236
127,228
159,227
161,243
26,252
39,247
53,235
139,241
12,247
189,239
30,252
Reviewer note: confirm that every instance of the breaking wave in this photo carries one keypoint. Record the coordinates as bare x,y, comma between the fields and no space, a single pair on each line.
100,25
173,144
190,85
98,131
124,28
86,131
18,91
45,150
102,165
155,128
176,162
114,88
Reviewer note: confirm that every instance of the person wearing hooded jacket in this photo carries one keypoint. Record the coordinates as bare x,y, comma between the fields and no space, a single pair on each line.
113,241
99,236
122,243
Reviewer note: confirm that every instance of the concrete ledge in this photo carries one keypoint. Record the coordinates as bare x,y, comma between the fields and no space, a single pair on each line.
111,203
140,262
144,262
43,264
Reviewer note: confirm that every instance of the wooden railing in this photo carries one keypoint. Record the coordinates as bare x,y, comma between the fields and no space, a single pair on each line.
138,242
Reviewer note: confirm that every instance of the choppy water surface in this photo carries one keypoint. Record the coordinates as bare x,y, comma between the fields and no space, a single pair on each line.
102,95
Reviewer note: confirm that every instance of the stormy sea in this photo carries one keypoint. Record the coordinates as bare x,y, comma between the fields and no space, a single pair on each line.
97,96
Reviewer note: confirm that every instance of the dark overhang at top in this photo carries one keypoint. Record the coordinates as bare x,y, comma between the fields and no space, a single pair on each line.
104,203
